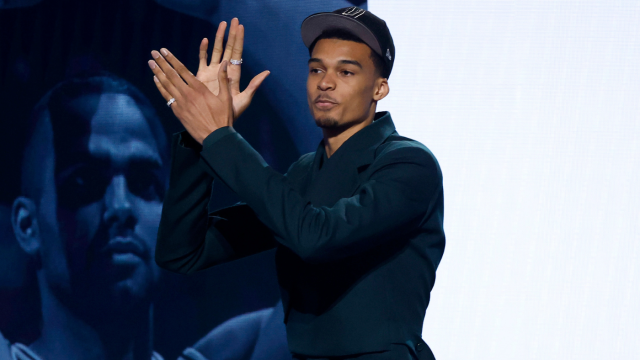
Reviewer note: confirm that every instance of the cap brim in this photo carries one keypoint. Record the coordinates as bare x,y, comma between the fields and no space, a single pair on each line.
315,24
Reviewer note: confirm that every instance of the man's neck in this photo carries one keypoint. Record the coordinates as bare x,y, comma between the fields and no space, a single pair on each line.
334,138
65,335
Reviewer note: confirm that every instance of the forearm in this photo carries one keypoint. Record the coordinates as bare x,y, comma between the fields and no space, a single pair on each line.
184,243
384,208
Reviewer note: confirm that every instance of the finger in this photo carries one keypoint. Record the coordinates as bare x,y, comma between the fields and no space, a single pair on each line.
165,94
231,39
169,74
238,45
255,83
204,44
223,80
182,70
162,78
217,45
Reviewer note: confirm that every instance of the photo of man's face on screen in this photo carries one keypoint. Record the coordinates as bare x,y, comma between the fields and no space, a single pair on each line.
94,173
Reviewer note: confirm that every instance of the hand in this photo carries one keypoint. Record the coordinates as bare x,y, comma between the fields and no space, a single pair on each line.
208,74
198,109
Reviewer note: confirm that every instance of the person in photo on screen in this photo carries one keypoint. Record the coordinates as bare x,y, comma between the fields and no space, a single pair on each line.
357,224
94,175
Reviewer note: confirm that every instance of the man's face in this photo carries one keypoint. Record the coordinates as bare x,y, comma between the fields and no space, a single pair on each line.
341,83
109,184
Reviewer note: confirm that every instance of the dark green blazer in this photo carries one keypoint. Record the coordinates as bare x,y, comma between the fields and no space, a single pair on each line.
359,235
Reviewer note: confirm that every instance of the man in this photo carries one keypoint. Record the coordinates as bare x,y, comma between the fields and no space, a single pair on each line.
357,224
93,229
93,179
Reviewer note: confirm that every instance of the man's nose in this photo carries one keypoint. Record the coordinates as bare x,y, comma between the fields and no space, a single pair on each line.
327,82
119,204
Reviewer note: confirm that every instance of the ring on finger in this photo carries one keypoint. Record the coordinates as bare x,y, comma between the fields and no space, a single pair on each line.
171,101
235,62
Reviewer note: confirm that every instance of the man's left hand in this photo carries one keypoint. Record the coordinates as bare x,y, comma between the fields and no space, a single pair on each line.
200,111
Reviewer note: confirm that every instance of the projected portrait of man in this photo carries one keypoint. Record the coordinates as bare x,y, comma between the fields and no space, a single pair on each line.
94,172
93,180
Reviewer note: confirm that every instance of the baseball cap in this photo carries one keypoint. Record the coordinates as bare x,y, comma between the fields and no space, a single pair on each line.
362,23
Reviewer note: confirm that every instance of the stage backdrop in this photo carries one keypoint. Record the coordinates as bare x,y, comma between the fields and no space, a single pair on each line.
533,110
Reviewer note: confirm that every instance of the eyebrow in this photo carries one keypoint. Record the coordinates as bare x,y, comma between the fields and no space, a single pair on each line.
78,159
352,62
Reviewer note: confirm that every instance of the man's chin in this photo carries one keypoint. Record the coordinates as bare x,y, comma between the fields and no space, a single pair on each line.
327,122
138,285
130,291
122,289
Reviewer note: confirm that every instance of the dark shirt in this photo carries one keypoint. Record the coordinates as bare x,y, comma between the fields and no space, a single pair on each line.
359,235
258,335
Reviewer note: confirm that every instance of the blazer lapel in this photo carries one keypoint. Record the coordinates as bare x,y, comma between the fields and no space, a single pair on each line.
335,180
329,180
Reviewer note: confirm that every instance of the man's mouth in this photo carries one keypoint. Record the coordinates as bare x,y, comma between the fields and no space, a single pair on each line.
125,249
325,103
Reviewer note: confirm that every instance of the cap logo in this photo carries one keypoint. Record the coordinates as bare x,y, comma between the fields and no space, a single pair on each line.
354,12
389,54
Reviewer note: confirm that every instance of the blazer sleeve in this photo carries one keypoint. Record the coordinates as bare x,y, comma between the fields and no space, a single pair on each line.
189,237
396,199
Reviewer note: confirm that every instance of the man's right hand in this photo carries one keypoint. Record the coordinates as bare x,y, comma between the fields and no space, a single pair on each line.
208,73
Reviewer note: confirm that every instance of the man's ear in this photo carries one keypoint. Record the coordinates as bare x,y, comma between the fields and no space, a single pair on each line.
381,89
25,225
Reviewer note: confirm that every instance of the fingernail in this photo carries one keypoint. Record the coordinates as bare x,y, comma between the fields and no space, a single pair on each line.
164,52
152,64
155,79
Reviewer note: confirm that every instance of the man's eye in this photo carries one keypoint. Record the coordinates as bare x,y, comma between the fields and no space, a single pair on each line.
345,72
315,71
146,184
79,181
81,187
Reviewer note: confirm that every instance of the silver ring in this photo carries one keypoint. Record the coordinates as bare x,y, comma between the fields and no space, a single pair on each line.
171,101
235,62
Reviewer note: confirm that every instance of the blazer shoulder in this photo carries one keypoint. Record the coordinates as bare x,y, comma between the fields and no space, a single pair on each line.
300,166
399,149
305,159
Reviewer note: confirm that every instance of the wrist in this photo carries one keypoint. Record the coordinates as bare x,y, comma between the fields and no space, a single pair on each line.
216,135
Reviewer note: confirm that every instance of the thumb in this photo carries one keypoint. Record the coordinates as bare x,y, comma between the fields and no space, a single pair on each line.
255,83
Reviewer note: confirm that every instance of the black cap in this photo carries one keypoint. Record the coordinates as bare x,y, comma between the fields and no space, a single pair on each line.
362,23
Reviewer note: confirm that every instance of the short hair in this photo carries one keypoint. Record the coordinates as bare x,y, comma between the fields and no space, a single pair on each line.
52,108
341,34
